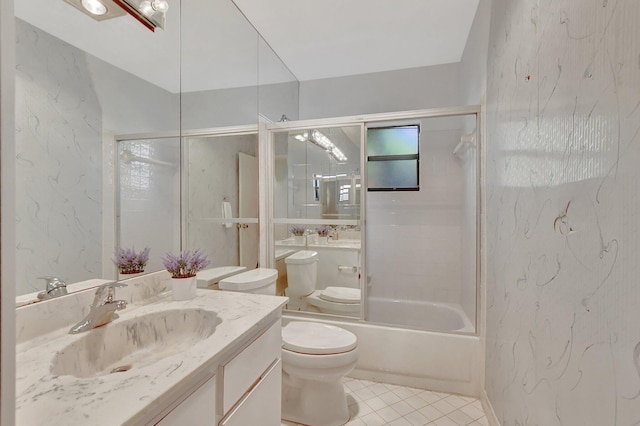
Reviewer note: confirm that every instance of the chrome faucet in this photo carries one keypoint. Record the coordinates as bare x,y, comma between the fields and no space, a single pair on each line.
102,309
54,287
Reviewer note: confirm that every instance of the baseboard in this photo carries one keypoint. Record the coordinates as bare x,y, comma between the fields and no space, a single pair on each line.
488,409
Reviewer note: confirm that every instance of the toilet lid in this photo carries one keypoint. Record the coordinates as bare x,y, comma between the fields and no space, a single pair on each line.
317,339
341,295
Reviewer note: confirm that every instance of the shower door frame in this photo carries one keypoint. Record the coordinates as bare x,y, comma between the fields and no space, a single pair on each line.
267,254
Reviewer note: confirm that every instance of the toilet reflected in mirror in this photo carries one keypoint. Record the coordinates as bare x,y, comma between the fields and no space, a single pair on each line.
321,278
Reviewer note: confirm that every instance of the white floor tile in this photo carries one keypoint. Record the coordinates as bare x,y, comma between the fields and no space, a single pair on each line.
460,418
373,419
416,418
389,414
378,404
402,408
389,398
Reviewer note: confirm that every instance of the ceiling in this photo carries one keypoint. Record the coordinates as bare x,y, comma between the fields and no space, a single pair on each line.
332,38
315,39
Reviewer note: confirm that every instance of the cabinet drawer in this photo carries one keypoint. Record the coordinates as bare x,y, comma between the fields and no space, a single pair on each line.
242,371
261,405
197,409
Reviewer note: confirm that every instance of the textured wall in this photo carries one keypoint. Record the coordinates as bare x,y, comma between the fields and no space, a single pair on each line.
563,148
58,162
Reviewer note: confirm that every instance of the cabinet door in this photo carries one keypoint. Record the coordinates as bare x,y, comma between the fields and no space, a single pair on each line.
248,366
197,409
261,405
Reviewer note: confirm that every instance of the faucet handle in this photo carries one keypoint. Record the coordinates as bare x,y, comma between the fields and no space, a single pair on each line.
110,288
54,286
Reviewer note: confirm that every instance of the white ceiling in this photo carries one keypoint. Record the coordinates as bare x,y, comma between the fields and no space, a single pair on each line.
315,39
331,38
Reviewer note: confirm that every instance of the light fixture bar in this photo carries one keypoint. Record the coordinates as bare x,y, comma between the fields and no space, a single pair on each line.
150,13
319,139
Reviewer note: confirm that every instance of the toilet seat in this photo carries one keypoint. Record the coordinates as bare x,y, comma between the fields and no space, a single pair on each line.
341,295
313,338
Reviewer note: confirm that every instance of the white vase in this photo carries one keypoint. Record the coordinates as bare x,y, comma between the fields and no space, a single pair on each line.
183,288
322,240
298,240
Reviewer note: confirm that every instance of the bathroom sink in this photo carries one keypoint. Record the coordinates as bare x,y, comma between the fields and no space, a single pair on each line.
134,343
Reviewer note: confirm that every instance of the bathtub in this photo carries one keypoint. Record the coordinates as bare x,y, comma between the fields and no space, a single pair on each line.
438,361
432,316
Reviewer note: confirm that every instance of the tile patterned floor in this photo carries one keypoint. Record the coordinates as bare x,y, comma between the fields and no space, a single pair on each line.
377,404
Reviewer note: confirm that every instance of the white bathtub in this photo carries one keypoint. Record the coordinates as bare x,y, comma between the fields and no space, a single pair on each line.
438,361
432,316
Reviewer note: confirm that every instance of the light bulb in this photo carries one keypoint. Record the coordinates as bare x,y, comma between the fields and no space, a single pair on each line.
94,7
160,5
146,8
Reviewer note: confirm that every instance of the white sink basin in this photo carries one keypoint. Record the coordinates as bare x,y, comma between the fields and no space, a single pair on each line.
134,343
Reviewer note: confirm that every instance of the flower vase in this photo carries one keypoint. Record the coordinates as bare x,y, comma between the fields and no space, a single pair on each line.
123,275
322,240
298,240
183,288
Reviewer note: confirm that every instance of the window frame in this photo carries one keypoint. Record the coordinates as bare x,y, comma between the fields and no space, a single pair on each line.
416,156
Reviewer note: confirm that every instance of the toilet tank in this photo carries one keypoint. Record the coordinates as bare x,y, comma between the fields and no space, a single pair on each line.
302,272
256,281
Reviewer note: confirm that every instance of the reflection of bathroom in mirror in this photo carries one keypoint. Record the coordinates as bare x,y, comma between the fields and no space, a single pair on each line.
148,206
317,193
79,82
221,199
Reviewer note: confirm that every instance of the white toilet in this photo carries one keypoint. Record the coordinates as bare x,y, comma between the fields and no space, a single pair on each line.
315,358
302,273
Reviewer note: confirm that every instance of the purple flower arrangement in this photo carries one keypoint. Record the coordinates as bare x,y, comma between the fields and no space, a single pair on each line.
130,262
298,231
186,264
323,231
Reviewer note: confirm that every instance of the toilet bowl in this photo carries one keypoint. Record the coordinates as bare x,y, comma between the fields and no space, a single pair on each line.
315,358
302,273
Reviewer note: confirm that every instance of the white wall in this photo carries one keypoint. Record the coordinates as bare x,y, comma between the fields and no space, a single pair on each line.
473,65
7,214
58,162
401,90
563,124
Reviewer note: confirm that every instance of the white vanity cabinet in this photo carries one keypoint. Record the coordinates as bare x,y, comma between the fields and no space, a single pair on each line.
246,390
251,381
197,409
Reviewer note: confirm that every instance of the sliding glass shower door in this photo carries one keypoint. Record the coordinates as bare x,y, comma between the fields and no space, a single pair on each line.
421,223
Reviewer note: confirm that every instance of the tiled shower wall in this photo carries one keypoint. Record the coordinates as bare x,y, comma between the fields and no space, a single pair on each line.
563,149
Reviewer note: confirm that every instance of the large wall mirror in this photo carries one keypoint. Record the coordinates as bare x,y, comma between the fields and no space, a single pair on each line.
317,195
110,108
78,82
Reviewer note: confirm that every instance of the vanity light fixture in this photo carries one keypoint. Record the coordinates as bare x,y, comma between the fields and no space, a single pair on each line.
99,10
94,7
150,13
318,138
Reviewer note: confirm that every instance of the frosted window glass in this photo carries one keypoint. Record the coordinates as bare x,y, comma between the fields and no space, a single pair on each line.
392,141
393,174
393,158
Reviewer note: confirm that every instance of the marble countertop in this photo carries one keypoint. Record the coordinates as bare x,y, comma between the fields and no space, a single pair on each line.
312,242
136,396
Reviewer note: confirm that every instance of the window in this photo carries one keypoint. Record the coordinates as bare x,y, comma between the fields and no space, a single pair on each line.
393,158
